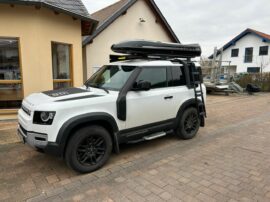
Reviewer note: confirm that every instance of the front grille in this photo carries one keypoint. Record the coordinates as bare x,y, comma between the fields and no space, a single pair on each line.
27,111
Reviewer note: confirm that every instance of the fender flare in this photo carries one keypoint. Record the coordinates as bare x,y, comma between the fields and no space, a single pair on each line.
184,106
68,127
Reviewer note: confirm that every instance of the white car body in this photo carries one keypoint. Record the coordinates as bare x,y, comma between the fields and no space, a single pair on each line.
143,107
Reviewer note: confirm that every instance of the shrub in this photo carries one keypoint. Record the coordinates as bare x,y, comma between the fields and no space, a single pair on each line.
261,80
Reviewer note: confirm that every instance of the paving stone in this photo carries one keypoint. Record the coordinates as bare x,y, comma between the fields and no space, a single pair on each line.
38,198
229,160
204,197
136,197
73,185
52,179
78,197
4,194
120,179
219,189
54,191
153,172
205,183
165,195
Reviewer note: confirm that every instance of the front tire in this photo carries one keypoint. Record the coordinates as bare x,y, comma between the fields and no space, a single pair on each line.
189,124
88,149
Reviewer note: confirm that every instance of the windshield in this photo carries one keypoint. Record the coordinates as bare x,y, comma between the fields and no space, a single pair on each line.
111,77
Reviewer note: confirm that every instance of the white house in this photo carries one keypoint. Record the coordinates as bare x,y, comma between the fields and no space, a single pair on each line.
247,52
124,20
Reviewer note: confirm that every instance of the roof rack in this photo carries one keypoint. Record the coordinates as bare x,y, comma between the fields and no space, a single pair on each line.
142,49
117,58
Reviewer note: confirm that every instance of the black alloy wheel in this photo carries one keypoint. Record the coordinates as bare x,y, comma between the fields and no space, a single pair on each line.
91,150
88,149
189,124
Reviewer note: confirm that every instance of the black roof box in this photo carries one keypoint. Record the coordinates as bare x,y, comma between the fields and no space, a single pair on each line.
151,48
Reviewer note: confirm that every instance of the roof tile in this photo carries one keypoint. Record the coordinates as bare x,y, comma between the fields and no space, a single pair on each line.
72,6
263,35
109,14
105,13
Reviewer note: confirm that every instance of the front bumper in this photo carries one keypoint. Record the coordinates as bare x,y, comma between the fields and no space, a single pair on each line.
36,140
39,141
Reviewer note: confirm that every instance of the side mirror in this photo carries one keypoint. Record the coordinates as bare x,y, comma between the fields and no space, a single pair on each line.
142,85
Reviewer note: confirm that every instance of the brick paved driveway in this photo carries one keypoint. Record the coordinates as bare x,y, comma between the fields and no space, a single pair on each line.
229,160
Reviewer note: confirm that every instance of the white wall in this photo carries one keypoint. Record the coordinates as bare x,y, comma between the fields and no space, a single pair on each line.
249,40
126,27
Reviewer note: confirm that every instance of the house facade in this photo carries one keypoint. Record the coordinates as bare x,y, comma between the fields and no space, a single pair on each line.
247,52
124,20
40,47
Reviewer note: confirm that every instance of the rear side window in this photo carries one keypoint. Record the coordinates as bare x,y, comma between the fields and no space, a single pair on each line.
157,76
177,77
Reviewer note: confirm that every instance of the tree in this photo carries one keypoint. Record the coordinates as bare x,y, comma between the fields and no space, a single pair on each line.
262,61
206,65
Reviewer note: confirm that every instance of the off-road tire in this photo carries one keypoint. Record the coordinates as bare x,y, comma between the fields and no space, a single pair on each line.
92,143
189,130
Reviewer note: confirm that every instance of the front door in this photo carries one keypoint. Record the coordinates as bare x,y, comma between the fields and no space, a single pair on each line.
146,107
162,102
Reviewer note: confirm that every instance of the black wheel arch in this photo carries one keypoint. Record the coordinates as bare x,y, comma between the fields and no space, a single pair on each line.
102,119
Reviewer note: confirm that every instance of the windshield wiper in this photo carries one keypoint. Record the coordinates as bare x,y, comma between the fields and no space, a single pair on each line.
99,87
87,86
106,90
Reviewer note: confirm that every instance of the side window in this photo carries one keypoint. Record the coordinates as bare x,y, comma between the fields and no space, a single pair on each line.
62,65
248,55
235,52
263,50
157,76
177,77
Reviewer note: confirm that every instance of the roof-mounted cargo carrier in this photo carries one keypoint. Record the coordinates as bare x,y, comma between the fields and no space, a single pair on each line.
141,49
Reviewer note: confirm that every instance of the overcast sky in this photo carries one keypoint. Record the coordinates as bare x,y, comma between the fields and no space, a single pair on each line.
208,22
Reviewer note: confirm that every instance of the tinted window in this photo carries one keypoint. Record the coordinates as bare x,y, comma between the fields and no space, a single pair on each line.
157,76
177,77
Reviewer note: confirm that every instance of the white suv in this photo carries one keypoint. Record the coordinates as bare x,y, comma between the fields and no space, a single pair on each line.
124,102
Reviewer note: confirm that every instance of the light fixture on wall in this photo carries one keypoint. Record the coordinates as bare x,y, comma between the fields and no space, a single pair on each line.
142,20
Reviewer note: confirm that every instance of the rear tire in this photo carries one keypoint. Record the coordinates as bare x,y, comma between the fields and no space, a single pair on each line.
189,124
88,149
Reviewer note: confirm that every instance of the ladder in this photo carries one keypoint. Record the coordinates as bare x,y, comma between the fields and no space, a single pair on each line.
199,93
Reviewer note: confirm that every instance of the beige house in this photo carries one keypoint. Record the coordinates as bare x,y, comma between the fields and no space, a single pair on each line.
124,20
40,47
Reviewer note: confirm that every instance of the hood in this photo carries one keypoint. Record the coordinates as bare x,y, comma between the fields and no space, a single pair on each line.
62,95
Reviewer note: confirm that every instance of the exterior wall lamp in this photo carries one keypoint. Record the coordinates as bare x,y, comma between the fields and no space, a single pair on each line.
142,20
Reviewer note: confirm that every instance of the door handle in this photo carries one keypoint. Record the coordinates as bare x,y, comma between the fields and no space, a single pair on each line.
168,97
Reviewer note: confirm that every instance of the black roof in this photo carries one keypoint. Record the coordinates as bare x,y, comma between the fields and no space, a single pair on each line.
74,8
123,8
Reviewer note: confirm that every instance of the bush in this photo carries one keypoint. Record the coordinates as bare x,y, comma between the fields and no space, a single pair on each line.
261,80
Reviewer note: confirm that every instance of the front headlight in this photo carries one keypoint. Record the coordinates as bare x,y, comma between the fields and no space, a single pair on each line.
43,118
